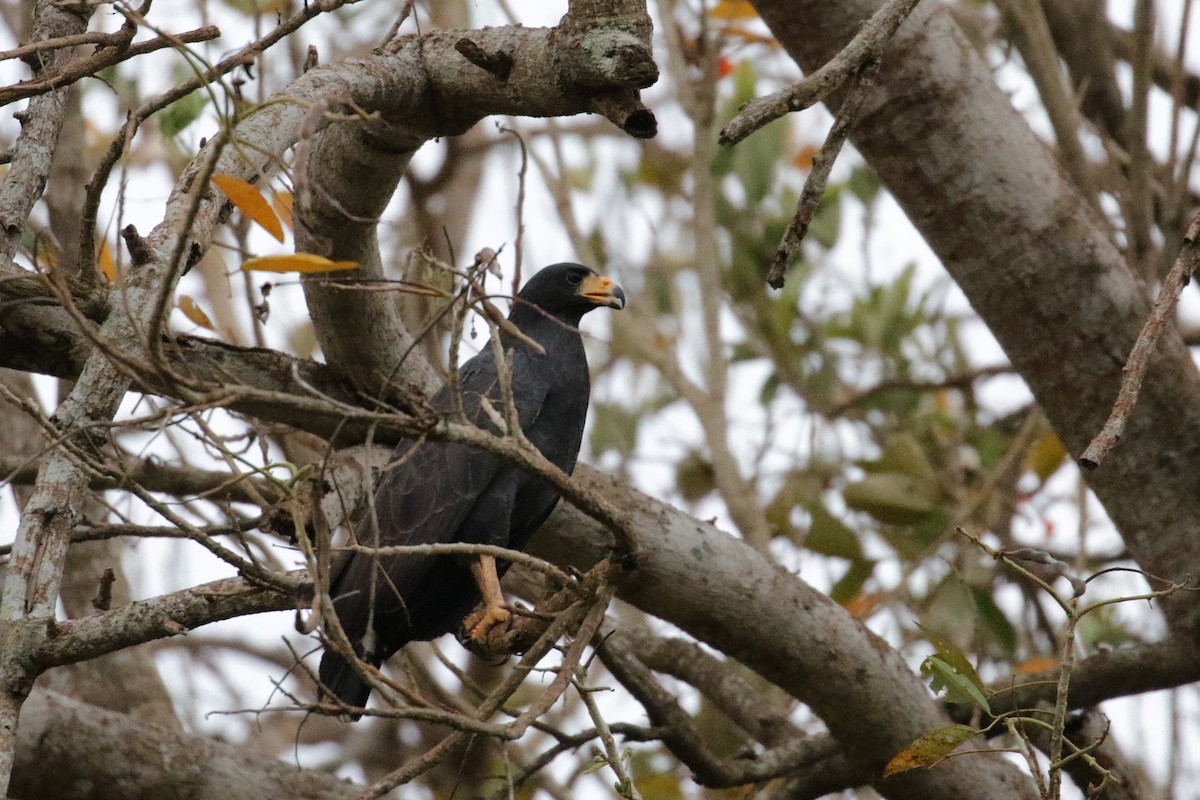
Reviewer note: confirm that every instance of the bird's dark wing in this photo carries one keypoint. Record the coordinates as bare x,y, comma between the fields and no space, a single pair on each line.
429,494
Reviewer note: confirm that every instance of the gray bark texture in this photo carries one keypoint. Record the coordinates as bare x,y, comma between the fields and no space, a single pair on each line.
1036,261
67,750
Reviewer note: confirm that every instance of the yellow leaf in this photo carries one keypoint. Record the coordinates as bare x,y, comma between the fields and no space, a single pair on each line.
733,9
193,312
282,202
296,262
1046,455
108,267
250,201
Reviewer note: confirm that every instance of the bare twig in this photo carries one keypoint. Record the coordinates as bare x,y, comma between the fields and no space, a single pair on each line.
88,37
960,381
107,56
587,616
625,785
1139,357
818,176
865,47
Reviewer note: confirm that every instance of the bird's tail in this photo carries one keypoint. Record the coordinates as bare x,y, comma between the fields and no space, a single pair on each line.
340,679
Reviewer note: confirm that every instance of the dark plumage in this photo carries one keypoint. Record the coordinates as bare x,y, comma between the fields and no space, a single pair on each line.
448,492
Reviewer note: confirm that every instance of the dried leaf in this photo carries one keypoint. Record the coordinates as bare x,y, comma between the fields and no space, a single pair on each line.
108,267
1034,665
296,262
193,312
249,201
862,606
282,203
805,155
733,9
929,748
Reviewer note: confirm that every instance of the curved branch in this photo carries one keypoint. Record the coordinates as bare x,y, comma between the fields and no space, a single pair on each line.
347,172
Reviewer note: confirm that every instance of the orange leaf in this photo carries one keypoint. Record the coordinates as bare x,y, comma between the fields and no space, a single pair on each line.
733,9
1031,665
724,67
193,312
862,606
250,201
296,262
805,155
282,203
108,267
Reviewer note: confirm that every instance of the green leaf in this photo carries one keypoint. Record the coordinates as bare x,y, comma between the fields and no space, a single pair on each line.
864,183
173,119
904,454
891,498
827,221
959,688
694,477
829,536
995,623
929,748
614,427
755,159
799,486
950,668
850,584
598,763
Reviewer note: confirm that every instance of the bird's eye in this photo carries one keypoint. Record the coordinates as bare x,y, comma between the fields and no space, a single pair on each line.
574,278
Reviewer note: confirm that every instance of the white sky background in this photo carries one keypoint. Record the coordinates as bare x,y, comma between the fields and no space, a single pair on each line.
156,567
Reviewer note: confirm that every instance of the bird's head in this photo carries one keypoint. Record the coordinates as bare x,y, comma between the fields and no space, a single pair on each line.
568,291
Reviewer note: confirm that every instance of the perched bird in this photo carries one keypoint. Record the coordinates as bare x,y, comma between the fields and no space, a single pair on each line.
440,491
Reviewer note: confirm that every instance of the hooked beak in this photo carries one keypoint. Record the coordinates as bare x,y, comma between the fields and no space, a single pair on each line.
603,292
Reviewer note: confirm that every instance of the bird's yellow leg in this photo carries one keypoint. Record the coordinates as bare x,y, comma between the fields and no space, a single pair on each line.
483,569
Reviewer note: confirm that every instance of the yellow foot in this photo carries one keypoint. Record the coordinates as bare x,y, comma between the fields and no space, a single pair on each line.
492,616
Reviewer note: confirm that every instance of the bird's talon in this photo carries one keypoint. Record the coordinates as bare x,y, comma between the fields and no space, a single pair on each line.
492,616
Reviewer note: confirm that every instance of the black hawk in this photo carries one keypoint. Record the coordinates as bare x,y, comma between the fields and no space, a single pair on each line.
438,491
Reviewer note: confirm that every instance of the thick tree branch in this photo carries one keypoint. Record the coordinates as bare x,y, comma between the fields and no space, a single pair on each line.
1034,258
31,580
347,173
158,618
726,594
72,751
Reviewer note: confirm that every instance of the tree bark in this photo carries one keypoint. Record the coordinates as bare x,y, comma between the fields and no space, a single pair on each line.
1038,264
69,750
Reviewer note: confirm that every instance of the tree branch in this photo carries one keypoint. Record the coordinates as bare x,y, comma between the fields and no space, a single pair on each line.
72,751
1134,372
1034,258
